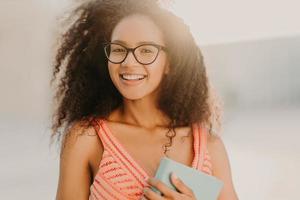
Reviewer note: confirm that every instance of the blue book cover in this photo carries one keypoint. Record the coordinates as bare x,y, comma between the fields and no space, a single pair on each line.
203,185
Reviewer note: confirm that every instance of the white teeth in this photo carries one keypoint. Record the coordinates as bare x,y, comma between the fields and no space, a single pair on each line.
132,76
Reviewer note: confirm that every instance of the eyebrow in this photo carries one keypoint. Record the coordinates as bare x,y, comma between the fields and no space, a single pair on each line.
139,43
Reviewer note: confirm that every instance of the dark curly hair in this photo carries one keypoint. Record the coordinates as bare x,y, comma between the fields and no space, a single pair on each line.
85,90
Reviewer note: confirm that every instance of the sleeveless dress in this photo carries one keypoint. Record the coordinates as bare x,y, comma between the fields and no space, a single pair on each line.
120,177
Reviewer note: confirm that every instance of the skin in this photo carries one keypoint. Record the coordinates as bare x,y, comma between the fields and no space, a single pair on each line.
139,101
139,126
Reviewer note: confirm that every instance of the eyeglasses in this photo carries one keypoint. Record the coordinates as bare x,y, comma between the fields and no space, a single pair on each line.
144,54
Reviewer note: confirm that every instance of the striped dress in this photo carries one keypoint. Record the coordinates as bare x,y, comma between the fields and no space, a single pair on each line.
119,176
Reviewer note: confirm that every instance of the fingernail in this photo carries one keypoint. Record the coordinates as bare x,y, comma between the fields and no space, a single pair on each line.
151,180
174,176
146,190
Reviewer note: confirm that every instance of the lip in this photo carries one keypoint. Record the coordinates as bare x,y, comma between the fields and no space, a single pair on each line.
132,74
131,82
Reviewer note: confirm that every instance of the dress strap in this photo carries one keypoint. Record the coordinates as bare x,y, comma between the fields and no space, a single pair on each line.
109,142
203,145
97,124
196,145
120,154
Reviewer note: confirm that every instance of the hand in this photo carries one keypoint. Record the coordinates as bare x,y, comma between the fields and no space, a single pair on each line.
185,193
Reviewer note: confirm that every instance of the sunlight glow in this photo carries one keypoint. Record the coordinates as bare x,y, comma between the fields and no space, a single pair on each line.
235,20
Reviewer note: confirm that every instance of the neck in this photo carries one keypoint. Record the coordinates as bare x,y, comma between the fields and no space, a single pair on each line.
143,113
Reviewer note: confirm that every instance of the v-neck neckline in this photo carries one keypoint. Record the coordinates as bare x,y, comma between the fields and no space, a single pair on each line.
140,167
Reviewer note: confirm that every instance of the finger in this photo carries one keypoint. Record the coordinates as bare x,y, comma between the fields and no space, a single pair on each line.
163,188
144,198
149,194
180,186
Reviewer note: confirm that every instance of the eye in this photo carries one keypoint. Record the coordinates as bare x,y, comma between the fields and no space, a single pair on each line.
144,50
118,50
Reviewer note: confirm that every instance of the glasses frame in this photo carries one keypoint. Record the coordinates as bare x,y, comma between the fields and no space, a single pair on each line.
159,48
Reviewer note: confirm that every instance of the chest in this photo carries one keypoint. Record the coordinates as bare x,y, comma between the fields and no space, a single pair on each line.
147,152
146,147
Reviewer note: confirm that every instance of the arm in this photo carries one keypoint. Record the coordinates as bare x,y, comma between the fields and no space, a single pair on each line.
221,167
75,174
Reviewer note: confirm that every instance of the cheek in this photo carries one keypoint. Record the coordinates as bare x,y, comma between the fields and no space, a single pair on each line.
158,69
112,71
156,75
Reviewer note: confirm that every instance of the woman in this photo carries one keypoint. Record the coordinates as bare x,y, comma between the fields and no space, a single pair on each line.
134,90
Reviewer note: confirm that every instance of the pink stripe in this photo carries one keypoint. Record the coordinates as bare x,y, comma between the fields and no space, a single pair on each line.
207,170
112,169
116,151
207,164
116,176
127,158
125,181
107,163
206,161
97,192
196,145
111,186
109,183
123,164
202,145
93,197
103,138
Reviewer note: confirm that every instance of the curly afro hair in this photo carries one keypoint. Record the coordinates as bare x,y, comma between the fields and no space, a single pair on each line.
85,90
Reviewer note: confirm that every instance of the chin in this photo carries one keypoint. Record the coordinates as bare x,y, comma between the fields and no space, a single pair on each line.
136,95
133,96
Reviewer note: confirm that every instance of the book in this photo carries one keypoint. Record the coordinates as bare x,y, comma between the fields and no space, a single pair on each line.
204,186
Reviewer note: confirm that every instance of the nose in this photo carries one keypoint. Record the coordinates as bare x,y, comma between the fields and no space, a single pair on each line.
130,59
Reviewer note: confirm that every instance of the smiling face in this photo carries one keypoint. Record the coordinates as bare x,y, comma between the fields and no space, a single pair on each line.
133,79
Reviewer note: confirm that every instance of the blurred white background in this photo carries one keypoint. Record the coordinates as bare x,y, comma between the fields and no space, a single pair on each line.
252,52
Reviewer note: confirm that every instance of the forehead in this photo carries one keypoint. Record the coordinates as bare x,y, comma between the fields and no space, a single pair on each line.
135,29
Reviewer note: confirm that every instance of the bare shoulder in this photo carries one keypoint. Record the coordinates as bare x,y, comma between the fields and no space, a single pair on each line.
81,138
78,149
221,166
215,144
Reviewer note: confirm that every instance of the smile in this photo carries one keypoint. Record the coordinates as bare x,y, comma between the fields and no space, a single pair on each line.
132,77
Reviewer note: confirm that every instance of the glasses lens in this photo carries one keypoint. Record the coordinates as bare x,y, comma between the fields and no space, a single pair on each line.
146,53
115,53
